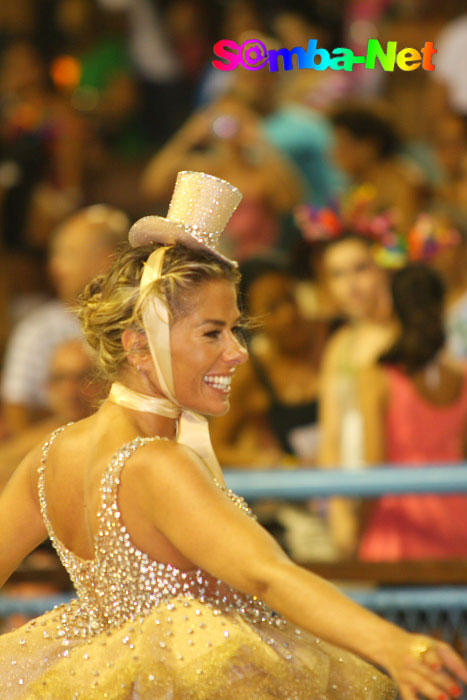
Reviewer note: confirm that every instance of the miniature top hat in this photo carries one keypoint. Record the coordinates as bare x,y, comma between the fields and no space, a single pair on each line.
199,210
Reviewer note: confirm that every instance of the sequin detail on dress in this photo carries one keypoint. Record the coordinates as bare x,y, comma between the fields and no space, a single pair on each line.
123,582
141,629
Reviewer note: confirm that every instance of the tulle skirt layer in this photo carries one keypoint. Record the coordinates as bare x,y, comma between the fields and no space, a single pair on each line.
185,650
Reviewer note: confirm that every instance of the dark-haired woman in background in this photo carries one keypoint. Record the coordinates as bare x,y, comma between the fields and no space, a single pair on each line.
367,148
275,399
414,407
273,417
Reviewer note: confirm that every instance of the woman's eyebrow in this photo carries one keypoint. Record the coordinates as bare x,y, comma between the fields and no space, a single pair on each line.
214,321
218,322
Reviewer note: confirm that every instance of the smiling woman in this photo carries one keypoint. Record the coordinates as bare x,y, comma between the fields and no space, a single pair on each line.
181,593
187,283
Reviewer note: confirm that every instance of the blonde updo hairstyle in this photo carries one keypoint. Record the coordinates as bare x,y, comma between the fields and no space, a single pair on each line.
112,303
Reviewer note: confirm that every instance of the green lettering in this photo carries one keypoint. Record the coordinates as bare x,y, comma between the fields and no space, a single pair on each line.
375,51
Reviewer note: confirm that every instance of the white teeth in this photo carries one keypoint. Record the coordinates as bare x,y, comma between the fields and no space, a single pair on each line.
218,381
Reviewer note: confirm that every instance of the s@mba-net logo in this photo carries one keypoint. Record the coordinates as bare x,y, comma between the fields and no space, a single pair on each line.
253,55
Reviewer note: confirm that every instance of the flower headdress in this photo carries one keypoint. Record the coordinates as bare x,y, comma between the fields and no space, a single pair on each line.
430,234
328,224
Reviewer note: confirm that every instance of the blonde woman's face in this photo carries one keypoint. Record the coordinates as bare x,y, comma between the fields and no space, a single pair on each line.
206,349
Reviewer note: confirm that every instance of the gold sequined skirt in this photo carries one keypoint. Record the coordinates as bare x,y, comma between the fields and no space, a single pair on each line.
185,651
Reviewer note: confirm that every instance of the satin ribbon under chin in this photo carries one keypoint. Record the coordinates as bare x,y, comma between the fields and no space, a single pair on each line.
124,396
193,428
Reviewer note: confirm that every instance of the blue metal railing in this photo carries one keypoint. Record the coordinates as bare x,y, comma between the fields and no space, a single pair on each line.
299,484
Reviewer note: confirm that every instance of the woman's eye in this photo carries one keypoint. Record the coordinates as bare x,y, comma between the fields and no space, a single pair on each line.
212,334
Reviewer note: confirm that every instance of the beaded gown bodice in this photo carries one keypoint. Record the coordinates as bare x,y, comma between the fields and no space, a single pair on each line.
144,630
122,582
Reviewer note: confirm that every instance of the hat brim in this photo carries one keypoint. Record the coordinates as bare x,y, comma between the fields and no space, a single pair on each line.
157,229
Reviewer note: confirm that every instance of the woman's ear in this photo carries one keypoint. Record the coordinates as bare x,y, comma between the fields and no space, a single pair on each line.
134,340
136,345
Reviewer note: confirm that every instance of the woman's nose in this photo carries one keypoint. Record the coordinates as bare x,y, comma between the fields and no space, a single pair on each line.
236,352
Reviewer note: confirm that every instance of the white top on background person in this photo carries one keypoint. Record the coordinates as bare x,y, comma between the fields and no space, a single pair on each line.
30,348
451,64
73,393
82,247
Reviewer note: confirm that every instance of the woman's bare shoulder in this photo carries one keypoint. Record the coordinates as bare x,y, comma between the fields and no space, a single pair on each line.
163,461
163,469
372,380
335,345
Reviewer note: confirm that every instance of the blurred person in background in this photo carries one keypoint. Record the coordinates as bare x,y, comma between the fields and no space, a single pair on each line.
16,17
414,406
193,27
294,23
73,394
274,403
166,42
292,105
298,124
82,247
447,92
367,148
41,149
273,417
439,238
106,94
238,17
227,140
359,287
105,89
299,131
451,154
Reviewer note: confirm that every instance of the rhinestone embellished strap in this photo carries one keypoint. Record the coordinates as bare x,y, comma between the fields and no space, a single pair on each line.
41,479
108,511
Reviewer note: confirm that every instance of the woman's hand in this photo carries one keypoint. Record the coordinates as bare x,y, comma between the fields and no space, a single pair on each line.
424,667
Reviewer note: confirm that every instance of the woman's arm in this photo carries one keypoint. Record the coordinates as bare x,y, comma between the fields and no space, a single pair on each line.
160,173
22,528
329,407
281,181
372,391
222,539
16,448
344,513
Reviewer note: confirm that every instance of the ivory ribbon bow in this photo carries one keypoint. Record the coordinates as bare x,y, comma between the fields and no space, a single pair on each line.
193,428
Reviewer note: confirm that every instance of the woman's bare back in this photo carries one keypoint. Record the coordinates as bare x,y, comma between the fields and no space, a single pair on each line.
75,465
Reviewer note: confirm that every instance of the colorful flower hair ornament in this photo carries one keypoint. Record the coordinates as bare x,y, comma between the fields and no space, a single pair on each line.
318,224
429,235
392,253
326,224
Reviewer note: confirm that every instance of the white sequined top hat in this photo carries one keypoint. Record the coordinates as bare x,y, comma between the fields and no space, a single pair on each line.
200,208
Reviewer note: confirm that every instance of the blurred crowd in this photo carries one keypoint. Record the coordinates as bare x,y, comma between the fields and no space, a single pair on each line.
351,235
